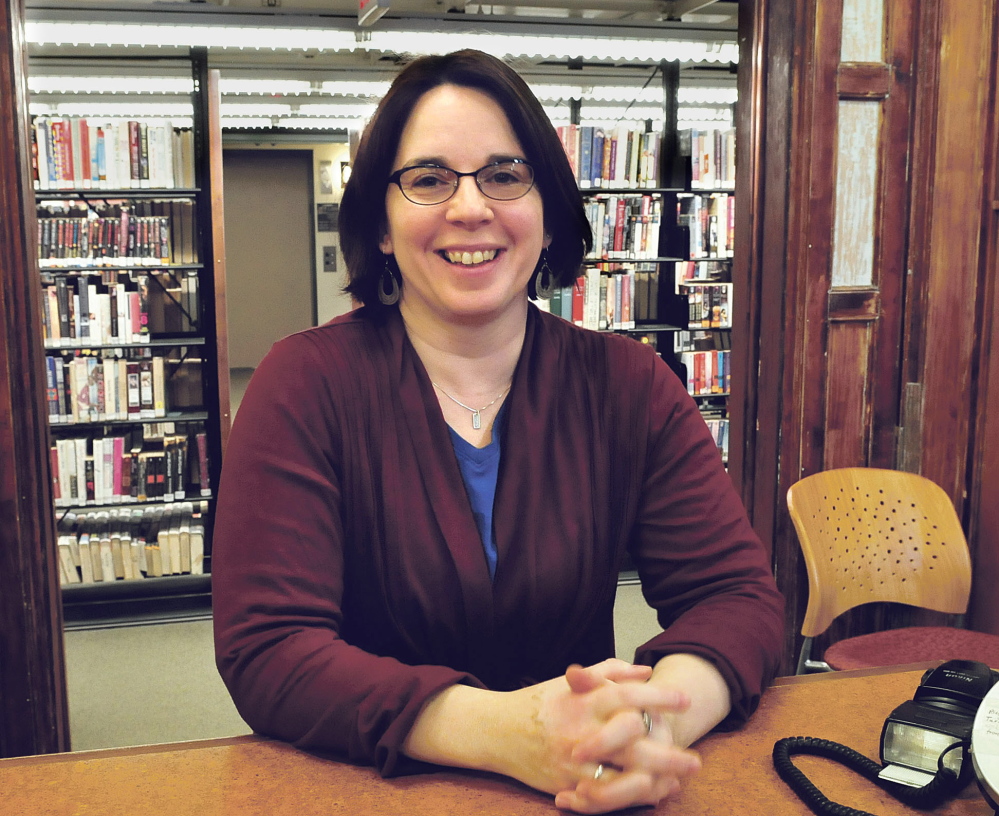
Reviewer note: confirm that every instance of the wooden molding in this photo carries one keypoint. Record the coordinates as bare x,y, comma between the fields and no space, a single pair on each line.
34,715
218,254
983,498
853,303
864,80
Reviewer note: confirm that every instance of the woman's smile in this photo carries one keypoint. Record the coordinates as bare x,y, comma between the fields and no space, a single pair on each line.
468,258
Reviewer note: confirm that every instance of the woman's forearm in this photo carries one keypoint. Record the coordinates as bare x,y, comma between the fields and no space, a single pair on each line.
710,699
461,726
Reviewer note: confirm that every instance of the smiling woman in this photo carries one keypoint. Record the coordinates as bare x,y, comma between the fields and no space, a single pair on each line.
528,135
416,561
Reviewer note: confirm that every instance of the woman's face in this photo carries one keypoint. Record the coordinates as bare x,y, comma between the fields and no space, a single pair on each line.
469,258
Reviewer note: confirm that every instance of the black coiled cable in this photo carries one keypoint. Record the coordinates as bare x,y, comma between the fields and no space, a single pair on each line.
944,785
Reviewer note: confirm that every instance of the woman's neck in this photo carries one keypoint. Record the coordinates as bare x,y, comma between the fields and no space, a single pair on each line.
471,368
470,361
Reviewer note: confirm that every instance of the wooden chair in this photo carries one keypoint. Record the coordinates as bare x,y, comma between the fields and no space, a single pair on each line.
870,535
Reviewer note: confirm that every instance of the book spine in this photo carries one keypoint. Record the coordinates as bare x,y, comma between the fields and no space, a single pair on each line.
135,173
201,440
147,408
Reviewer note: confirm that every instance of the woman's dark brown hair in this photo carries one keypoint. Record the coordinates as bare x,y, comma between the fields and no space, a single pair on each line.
362,220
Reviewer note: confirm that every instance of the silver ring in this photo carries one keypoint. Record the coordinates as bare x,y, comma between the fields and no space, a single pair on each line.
647,722
598,772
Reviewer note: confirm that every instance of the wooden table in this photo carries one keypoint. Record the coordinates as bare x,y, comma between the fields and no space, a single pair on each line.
246,776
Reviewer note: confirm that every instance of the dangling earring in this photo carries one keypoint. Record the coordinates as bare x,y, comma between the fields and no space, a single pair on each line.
544,281
388,286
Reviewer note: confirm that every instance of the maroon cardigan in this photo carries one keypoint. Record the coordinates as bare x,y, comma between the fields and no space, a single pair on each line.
349,579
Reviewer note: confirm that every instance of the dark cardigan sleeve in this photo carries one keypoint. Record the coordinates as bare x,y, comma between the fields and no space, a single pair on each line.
278,579
702,566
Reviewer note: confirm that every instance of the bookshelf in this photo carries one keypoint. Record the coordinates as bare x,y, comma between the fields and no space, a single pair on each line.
705,230
132,276
661,207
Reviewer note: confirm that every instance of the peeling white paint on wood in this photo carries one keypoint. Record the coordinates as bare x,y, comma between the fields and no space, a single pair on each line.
856,188
863,31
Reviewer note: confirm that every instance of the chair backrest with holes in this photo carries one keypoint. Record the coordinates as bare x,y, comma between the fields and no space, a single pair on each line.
878,535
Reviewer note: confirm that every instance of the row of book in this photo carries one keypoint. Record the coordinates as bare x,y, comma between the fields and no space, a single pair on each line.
703,271
707,372
116,233
625,156
130,544
131,467
610,297
624,226
701,340
75,153
712,157
120,385
719,431
708,304
711,221
118,307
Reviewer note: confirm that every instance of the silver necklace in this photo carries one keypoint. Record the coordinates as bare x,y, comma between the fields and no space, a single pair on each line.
476,412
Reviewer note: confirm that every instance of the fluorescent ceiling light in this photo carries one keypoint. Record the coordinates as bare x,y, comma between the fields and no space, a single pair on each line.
112,85
321,124
41,84
652,94
563,46
695,124
254,109
260,122
345,111
266,87
114,110
369,88
356,111
708,96
184,36
554,93
716,115
633,114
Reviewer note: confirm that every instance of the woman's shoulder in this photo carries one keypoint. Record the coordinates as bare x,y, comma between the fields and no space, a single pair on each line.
352,334
621,365
613,345
334,353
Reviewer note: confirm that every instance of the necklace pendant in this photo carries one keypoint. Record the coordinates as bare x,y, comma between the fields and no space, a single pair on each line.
476,420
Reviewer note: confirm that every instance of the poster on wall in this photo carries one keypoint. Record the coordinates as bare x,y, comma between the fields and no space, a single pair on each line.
326,178
326,217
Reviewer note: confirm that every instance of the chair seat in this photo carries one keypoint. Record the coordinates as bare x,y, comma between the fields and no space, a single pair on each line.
914,644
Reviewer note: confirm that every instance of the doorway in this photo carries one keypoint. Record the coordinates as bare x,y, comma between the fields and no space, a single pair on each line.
269,253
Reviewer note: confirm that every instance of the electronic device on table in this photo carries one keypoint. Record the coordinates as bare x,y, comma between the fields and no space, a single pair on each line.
931,746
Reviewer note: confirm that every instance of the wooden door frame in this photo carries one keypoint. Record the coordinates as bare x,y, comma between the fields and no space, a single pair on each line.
762,342
983,499
34,714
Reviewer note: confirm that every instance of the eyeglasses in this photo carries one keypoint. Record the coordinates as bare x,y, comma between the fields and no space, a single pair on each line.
434,184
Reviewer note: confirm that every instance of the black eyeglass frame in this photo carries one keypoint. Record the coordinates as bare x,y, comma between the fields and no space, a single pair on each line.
396,178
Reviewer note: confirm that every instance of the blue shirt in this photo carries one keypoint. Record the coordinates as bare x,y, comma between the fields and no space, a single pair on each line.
479,470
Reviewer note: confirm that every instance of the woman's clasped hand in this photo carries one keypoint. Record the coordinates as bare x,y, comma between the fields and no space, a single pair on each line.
621,753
